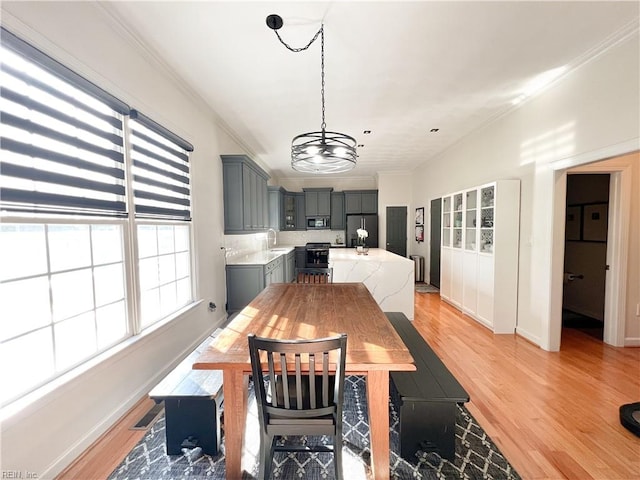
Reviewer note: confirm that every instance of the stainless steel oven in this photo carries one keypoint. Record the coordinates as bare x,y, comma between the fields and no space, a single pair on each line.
317,254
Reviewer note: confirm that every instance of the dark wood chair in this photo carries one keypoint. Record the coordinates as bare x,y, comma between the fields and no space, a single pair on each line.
314,275
299,387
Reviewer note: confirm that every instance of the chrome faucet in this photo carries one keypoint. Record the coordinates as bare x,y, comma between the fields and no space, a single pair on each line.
275,237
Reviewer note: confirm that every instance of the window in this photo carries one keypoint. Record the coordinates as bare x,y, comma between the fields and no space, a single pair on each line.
70,287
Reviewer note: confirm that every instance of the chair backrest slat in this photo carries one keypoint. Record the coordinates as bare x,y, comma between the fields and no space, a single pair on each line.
299,387
285,380
314,275
325,379
312,379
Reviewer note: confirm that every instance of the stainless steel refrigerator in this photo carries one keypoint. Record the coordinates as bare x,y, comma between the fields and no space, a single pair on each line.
369,223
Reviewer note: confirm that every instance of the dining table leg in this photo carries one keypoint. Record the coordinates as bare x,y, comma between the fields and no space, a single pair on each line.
235,410
378,400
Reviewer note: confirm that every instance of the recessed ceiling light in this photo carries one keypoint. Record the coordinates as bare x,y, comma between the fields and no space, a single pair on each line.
367,132
434,130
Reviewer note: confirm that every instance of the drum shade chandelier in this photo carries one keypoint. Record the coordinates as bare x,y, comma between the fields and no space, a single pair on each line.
320,152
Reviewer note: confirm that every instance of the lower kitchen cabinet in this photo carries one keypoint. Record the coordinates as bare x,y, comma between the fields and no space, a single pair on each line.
274,272
300,257
290,266
245,282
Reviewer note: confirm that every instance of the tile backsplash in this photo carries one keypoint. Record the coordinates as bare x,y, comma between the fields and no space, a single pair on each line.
302,237
246,244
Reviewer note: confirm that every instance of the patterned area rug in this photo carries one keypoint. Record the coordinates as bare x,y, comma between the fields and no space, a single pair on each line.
476,455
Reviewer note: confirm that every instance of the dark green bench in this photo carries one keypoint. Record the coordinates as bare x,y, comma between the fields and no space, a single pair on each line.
192,403
427,398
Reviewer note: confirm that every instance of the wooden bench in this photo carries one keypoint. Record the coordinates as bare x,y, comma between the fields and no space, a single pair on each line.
427,397
192,402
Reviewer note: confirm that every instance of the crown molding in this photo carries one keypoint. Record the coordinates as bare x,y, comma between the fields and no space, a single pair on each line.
131,36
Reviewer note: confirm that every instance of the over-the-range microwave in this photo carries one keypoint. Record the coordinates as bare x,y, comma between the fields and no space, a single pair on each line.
318,223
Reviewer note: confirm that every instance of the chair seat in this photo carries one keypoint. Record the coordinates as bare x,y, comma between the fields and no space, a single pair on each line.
273,420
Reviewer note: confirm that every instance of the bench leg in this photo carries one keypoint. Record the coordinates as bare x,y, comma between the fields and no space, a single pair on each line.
428,426
192,417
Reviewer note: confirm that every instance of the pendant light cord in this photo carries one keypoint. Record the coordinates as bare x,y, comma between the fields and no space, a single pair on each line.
300,49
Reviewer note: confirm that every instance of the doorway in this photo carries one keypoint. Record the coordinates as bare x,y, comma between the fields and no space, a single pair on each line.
619,164
397,230
434,239
585,253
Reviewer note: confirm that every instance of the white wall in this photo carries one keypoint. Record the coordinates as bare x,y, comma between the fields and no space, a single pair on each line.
52,431
395,190
593,109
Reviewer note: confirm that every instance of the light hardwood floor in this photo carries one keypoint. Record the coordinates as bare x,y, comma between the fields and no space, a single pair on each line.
553,415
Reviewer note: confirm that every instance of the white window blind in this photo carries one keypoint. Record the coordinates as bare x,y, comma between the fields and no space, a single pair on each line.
69,151
160,170
61,138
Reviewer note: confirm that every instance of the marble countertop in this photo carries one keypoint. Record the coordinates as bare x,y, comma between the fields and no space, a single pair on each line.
265,256
374,255
259,258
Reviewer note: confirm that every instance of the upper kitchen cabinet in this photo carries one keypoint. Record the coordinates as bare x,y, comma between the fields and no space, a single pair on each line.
317,202
286,209
301,223
337,211
277,213
361,201
245,195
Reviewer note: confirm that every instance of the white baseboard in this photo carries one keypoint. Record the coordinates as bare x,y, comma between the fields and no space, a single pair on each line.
94,434
528,335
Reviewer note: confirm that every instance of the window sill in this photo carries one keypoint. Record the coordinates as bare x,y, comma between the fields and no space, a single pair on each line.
50,389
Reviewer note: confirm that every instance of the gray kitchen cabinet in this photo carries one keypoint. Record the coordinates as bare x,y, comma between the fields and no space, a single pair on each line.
244,195
370,202
300,257
337,211
245,282
317,202
288,211
301,221
277,215
274,272
361,201
289,266
284,210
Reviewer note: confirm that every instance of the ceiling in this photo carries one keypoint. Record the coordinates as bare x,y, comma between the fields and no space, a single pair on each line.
398,69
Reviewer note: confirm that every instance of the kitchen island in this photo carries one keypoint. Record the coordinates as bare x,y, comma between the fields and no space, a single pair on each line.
389,277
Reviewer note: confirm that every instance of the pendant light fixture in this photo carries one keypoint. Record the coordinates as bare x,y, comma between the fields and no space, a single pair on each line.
320,152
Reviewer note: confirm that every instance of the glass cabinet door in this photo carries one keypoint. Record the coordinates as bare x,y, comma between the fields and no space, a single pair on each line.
289,212
487,203
457,220
471,220
446,221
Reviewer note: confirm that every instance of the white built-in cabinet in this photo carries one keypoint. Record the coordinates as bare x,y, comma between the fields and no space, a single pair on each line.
479,256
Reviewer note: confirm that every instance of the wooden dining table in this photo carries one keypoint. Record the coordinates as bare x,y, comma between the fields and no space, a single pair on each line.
304,311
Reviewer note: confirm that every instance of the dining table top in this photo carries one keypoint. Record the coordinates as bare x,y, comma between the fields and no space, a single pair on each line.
308,311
